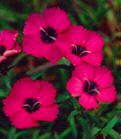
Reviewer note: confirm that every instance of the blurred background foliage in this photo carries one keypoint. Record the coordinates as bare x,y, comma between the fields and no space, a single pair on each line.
73,122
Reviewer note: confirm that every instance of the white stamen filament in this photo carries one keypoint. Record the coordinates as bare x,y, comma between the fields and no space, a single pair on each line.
88,83
53,38
74,45
88,51
44,31
35,104
27,105
95,90
84,52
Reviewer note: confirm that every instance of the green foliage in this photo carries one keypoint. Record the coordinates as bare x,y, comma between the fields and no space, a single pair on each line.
110,125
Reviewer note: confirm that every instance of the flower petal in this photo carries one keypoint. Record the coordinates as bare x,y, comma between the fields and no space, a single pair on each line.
107,94
103,77
11,52
79,35
26,88
23,119
95,42
12,103
46,113
84,72
51,53
8,38
47,94
75,60
94,59
32,45
88,101
64,43
33,24
75,86
2,58
57,18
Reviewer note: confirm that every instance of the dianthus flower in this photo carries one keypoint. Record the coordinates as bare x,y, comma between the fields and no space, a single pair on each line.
92,85
42,33
83,46
8,44
29,102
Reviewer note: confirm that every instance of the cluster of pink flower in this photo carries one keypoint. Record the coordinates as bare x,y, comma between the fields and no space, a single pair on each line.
53,36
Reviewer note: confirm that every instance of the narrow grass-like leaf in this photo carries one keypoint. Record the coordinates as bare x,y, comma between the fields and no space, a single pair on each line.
3,131
65,132
36,134
106,130
94,131
62,97
20,133
45,136
84,125
114,134
73,123
11,133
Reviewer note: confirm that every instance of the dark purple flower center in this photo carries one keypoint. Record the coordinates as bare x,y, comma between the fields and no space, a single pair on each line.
31,105
90,87
48,35
79,51
2,49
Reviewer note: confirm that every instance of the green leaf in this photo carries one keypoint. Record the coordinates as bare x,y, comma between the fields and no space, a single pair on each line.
7,81
34,77
94,131
84,125
36,134
3,131
11,133
75,104
65,132
64,61
62,97
114,134
2,93
106,130
56,136
73,113
72,122
45,136
17,135
73,126
72,18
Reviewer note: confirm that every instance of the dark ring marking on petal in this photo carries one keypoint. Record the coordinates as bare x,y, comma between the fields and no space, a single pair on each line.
31,105
90,87
2,49
48,35
79,51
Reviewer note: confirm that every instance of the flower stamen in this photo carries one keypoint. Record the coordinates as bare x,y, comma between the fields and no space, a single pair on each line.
79,51
90,87
48,35
31,105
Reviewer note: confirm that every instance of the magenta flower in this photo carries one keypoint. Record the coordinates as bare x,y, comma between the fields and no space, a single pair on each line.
8,44
92,85
29,102
42,33
83,46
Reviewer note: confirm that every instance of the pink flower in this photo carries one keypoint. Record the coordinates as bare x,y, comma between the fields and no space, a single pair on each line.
42,33
83,46
29,102
92,85
8,44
